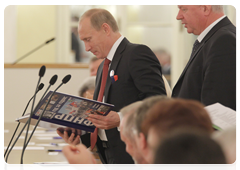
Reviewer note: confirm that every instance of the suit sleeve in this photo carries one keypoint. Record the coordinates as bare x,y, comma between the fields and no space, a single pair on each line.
146,72
219,82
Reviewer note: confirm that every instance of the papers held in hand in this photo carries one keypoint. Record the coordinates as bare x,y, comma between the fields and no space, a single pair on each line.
221,116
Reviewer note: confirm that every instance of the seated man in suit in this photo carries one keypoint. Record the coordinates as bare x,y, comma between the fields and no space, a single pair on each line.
210,74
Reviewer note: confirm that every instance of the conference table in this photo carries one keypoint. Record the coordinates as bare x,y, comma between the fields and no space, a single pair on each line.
45,146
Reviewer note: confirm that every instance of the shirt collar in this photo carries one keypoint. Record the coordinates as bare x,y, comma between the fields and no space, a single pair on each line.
204,33
114,48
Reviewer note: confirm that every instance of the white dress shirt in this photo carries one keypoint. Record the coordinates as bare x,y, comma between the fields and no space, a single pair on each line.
204,33
101,132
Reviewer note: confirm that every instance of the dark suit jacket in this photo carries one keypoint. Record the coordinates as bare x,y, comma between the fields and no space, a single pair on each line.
210,75
139,76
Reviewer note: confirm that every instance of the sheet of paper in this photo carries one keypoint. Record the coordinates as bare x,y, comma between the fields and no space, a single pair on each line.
47,135
52,144
36,131
28,148
221,116
44,138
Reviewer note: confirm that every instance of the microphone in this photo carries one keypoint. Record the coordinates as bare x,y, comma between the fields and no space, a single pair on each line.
51,82
41,74
40,87
48,41
42,71
64,81
53,79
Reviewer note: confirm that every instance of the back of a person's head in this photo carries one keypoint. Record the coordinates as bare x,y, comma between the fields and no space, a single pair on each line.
128,122
87,84
170,114
189,147
142,110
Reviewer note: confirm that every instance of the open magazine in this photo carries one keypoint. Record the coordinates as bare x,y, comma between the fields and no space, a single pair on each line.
70,111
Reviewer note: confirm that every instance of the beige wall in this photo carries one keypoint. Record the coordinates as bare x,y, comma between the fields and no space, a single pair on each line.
20,84
35,25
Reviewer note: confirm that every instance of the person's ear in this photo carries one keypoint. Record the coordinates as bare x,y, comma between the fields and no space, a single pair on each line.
206,9
106,28
143,141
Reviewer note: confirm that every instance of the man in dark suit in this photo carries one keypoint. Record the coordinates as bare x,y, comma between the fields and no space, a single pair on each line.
210,74
135,75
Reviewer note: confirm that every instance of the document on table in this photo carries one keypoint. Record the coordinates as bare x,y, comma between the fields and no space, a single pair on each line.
27,148
222,117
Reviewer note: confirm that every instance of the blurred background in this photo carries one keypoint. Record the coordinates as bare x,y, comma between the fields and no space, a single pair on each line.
28,26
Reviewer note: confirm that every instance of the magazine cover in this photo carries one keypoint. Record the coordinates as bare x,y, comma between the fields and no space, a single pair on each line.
70,111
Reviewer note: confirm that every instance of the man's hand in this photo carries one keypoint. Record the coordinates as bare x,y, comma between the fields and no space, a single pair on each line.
78,154
110,121
72,139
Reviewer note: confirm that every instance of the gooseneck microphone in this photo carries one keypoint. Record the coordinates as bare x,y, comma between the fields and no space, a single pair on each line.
40,87
64,81
35,49
51,82
41,74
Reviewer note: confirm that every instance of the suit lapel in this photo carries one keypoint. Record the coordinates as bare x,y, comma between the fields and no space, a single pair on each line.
116,58
222,23
191,59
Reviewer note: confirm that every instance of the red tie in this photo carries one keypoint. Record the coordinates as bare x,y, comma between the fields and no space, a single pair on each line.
100,98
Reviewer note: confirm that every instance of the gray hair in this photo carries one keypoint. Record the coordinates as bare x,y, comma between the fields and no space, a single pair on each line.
141,112
217,8
88,84
128,114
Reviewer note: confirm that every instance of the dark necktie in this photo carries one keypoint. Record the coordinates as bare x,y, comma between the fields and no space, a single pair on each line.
195,47
100,98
